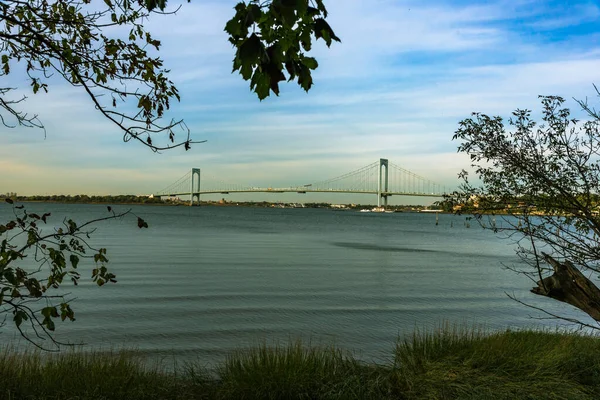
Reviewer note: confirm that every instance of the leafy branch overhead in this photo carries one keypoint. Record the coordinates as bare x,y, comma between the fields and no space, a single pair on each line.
104,50
272,39
70,39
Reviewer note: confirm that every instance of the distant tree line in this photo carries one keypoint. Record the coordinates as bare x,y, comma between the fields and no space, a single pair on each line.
83,198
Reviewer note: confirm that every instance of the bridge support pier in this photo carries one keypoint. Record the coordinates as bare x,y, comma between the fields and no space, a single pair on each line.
195,193
382,183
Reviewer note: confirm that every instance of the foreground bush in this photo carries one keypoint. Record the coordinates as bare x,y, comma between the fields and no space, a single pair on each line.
445,364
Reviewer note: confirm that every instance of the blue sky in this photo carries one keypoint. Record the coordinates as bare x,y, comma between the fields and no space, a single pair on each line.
405,73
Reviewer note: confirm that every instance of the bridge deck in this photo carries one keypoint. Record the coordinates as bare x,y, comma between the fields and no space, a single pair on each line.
301,191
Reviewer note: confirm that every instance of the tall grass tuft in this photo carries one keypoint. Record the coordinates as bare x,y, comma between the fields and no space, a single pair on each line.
454,362
298,372
81,375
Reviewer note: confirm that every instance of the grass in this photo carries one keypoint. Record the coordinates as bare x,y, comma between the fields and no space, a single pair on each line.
449,363
453,363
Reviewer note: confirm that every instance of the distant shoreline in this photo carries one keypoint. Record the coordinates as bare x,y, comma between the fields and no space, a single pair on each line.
139,200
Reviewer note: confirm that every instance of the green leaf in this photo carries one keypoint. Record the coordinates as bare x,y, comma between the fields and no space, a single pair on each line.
275,55
312,12
304,77
290,66
234,27
72,226
246,70
305,39
287,13
253,15
49,312
66,312
74,260
251,49
276,77
310,62
50,325
19,317
31,236
324,31
10,276
301,6
152,4
261,84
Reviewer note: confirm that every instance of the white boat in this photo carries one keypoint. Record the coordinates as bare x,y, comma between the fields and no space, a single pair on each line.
377,209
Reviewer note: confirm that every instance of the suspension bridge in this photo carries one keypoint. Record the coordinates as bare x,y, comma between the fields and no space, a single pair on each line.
381,178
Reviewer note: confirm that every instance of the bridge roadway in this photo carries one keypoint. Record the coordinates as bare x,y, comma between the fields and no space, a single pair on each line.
302,191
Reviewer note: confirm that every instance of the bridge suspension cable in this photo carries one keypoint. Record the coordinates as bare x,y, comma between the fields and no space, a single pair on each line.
362,179
179,186
403,180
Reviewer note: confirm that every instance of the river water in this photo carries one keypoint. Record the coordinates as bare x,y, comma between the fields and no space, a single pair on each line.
203,281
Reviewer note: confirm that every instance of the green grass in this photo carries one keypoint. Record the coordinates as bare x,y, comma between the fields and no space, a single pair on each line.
469,364
449,363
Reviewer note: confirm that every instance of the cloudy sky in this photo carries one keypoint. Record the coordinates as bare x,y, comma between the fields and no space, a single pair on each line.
405,73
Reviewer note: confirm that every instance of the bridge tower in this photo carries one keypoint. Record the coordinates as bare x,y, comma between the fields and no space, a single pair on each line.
382,183
195,193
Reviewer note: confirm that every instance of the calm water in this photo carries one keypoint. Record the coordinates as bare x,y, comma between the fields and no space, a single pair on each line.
206,280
